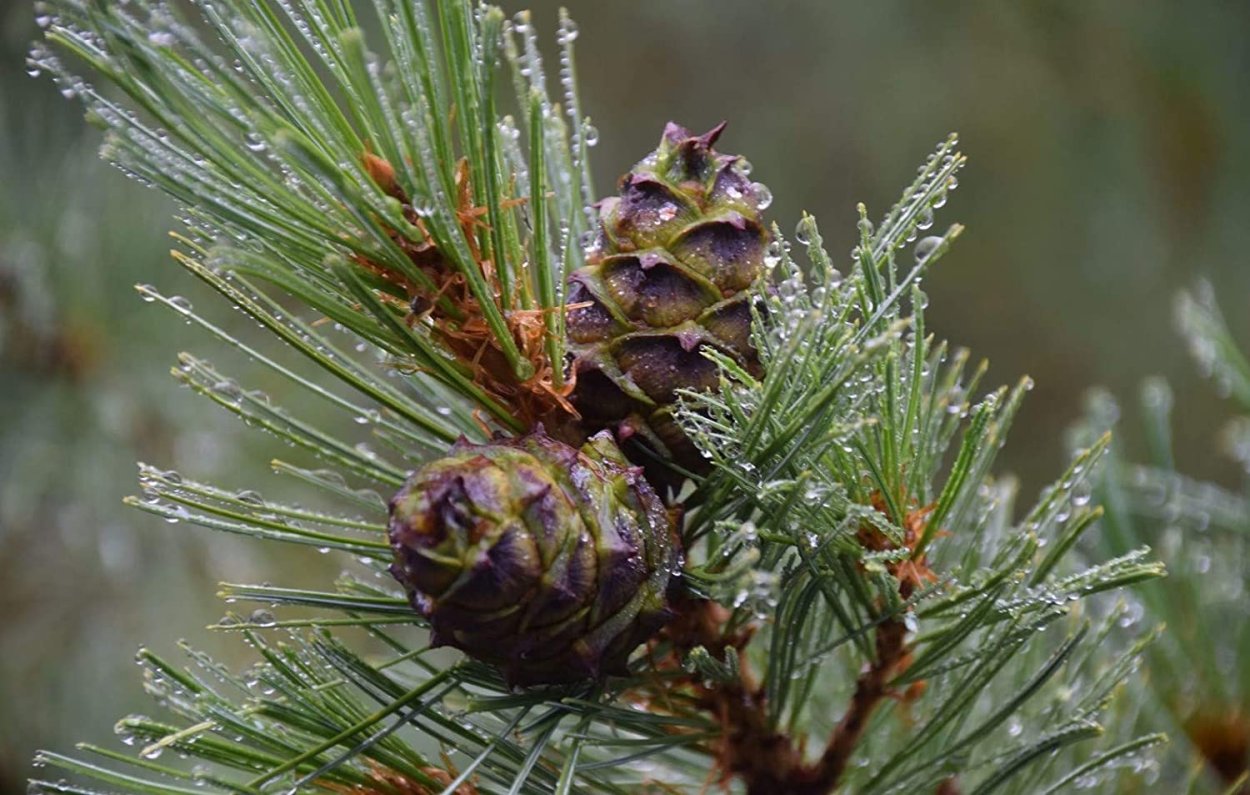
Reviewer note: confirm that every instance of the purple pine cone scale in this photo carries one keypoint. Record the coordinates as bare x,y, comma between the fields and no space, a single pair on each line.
550,562
667,277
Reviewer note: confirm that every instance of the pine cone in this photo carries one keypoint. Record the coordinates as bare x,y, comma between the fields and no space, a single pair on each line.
550,562
667,275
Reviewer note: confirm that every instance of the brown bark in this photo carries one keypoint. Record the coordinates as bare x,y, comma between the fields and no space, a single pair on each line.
773,763
870,690
767,761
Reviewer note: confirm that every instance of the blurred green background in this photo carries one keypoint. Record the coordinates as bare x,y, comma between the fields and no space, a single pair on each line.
1110,166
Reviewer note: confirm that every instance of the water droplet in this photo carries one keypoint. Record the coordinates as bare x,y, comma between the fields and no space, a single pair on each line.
763,196
250,497
229,390
802,232
1133,613
568,31
925,248
772,254
926,218
262,618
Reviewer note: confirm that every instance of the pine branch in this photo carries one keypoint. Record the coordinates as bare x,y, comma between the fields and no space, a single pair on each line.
263,155
854,578
784,477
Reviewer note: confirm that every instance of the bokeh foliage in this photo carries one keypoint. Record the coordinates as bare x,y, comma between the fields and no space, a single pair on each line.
85,393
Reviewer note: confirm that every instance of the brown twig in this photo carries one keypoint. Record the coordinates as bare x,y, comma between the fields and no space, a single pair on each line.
748,747
767,761
770,762
870,690
948,786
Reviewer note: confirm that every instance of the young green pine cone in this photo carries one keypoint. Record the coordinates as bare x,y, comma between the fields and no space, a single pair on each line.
553,563
667,275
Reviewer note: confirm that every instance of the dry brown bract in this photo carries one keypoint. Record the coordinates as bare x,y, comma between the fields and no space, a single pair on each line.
453,313
390,782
